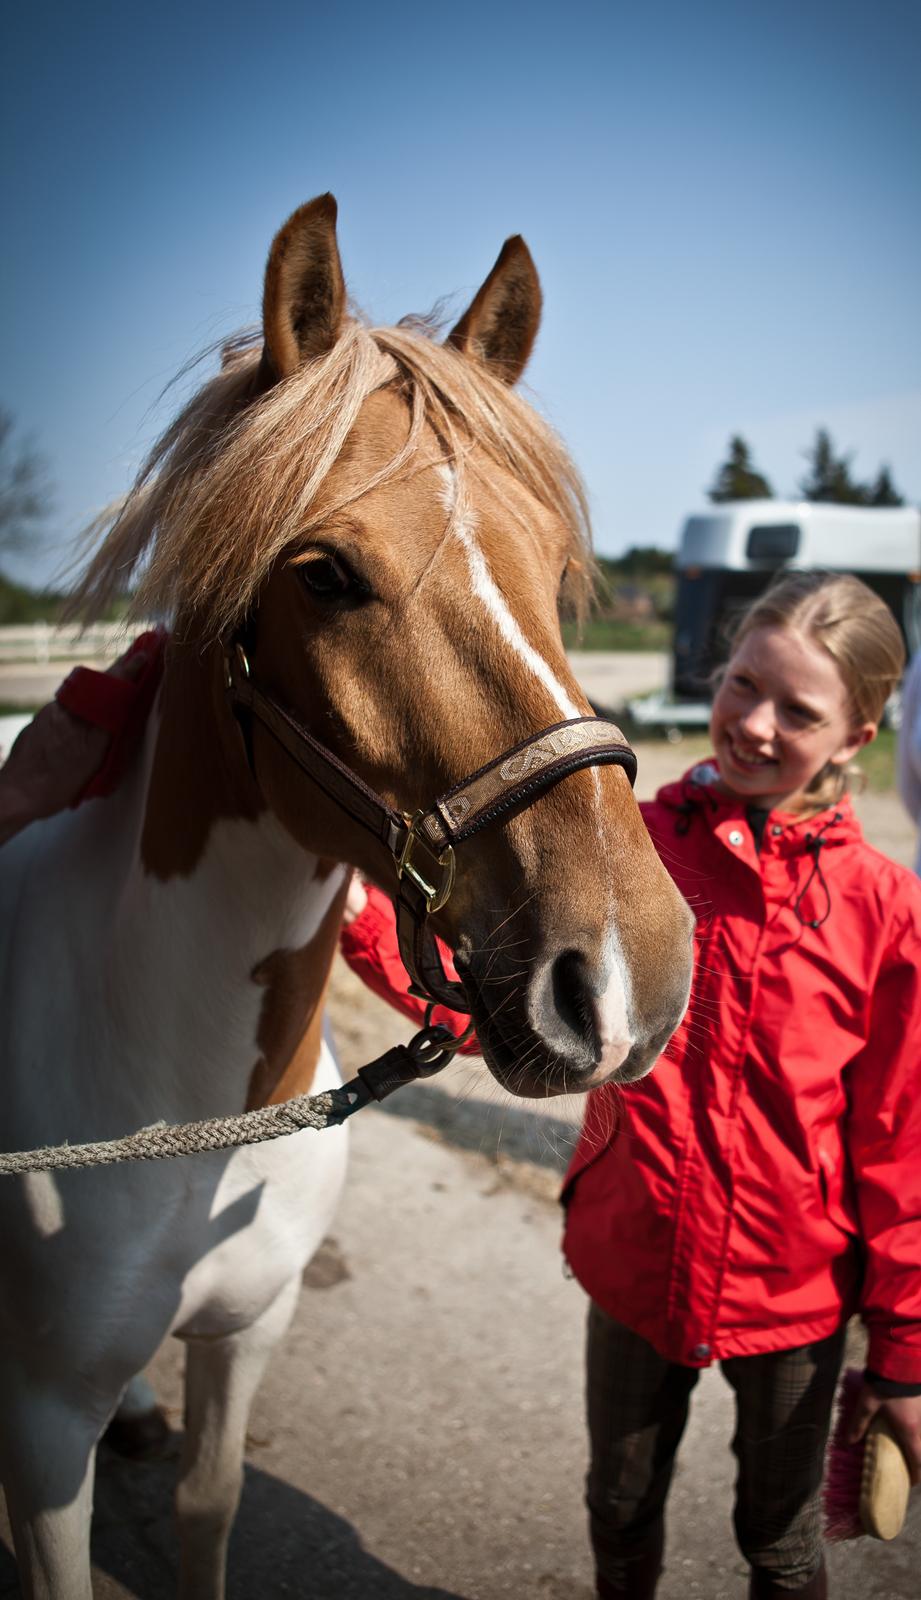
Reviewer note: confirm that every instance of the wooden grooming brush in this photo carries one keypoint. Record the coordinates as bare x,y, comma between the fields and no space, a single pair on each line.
866,1484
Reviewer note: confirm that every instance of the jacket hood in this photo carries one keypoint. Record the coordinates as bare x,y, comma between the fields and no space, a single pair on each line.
697,798
697,794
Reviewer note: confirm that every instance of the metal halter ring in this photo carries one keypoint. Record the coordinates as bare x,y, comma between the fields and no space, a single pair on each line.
456,1040
235,652
435,894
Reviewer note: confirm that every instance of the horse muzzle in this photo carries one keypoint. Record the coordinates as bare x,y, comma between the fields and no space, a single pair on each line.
568,1023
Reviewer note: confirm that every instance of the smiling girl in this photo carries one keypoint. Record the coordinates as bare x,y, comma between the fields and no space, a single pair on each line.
764,1182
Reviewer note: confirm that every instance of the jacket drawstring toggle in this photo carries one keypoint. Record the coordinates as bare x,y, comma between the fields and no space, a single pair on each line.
812,844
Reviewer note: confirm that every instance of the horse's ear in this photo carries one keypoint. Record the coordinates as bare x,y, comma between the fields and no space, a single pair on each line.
303,302
501,322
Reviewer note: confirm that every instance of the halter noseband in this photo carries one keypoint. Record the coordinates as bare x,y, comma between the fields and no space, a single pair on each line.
421,847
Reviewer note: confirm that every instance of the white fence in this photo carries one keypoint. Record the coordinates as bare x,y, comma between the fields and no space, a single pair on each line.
43,641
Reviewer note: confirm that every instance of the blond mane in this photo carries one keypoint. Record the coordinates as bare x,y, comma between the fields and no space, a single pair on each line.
234,480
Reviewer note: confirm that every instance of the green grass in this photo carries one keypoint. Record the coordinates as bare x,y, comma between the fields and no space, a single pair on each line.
604,633
877,761
20,606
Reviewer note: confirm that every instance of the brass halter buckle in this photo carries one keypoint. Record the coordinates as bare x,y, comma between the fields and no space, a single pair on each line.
235,657
435,894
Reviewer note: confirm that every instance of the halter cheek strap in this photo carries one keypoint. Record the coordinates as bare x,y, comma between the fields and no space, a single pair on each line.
422,847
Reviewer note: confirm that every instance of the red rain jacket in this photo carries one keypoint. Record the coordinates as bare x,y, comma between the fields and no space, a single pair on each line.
764,1180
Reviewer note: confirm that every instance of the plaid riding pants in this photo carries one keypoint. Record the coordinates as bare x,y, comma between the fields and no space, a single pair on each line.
637,1410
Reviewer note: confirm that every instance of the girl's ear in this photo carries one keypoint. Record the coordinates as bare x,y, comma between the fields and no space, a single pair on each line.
857,738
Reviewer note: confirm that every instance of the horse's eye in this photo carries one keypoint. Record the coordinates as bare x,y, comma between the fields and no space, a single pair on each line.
327,578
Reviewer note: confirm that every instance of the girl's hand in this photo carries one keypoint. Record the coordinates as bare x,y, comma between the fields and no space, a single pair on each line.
54,759
904,1416
355,901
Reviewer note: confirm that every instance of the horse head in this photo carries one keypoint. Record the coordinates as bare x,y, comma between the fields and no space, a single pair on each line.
390,529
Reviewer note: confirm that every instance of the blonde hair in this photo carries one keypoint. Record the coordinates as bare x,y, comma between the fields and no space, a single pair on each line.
234,480
859,632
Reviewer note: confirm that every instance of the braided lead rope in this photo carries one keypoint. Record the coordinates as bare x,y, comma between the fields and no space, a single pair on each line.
162,1141
426,1053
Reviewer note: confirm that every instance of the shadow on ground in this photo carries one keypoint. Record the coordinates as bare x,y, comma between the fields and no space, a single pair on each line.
284,1542
488,1128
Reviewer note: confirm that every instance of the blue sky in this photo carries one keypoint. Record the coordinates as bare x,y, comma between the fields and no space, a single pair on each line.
723,201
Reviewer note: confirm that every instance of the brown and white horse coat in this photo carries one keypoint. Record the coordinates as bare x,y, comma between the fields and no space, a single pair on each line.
390,526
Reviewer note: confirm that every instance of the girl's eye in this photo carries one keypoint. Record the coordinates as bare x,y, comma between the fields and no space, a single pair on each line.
740,681
328,578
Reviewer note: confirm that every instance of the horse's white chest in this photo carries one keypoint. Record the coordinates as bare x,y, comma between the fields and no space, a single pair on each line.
156,979
253,893
271,1208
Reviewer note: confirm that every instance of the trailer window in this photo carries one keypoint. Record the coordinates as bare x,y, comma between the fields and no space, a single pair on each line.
773,541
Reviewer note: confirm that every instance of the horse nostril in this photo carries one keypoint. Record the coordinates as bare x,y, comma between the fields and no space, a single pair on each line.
574,1000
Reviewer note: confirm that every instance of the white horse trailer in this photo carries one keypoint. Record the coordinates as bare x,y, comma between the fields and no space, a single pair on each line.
729,554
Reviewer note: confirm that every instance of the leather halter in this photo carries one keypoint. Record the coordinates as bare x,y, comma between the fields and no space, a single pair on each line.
421,847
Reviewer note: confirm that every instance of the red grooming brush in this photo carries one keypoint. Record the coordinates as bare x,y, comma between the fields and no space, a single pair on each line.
866,1484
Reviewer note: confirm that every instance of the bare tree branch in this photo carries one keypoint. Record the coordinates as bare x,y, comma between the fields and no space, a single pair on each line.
25,491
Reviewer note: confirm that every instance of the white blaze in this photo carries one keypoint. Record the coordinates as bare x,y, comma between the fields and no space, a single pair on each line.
614,1004
485,589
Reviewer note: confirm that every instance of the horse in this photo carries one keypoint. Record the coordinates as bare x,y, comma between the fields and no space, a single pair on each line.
381,529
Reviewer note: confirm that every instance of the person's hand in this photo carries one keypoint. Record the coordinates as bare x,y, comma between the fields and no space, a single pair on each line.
903,1414
355,901
54,759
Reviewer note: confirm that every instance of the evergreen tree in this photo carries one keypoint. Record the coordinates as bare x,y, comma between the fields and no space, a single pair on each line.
884,492
829,477
737,478
644,560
